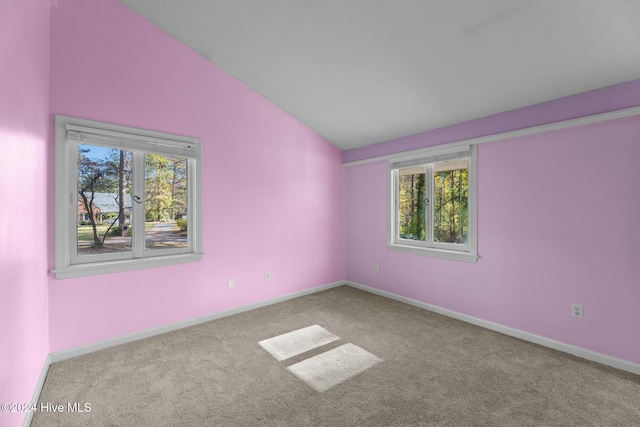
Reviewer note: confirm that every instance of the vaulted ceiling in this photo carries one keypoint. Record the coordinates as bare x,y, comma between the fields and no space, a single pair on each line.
360,72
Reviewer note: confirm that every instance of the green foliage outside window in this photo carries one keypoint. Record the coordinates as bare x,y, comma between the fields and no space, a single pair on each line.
104,174
412,201
165,186
450,206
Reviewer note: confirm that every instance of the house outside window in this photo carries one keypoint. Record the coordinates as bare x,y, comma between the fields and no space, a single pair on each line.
126,198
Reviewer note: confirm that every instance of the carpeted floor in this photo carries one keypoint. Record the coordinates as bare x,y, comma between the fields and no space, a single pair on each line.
426,370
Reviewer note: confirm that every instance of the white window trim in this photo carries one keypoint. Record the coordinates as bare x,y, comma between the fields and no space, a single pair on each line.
470,254
64,221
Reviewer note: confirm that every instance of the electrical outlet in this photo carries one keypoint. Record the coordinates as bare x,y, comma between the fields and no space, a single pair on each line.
230,282
375,268
267,276
576,311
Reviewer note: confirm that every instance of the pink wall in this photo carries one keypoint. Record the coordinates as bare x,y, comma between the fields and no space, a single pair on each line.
557,221
24,106
273,193
274,199
617,97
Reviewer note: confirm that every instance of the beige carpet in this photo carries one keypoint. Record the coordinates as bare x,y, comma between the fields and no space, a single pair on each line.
428,370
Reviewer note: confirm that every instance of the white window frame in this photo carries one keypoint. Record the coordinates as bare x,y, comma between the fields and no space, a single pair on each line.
427,157
67,262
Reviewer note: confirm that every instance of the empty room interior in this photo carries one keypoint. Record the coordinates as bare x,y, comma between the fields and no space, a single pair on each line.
303,213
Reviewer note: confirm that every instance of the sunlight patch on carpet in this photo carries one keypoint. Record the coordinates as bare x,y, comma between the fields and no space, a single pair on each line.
297,342
334,366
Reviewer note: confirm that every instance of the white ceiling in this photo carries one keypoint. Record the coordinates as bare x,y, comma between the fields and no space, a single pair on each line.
365,71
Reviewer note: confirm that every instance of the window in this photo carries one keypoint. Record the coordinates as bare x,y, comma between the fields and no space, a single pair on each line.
433,203
125,198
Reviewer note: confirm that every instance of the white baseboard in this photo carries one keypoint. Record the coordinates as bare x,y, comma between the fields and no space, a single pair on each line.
26,422
90,348
546,342
101,345
526,336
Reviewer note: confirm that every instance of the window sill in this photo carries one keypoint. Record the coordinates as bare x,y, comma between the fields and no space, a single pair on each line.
92,269
432,252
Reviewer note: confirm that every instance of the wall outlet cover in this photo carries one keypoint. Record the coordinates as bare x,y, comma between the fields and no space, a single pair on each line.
576,311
